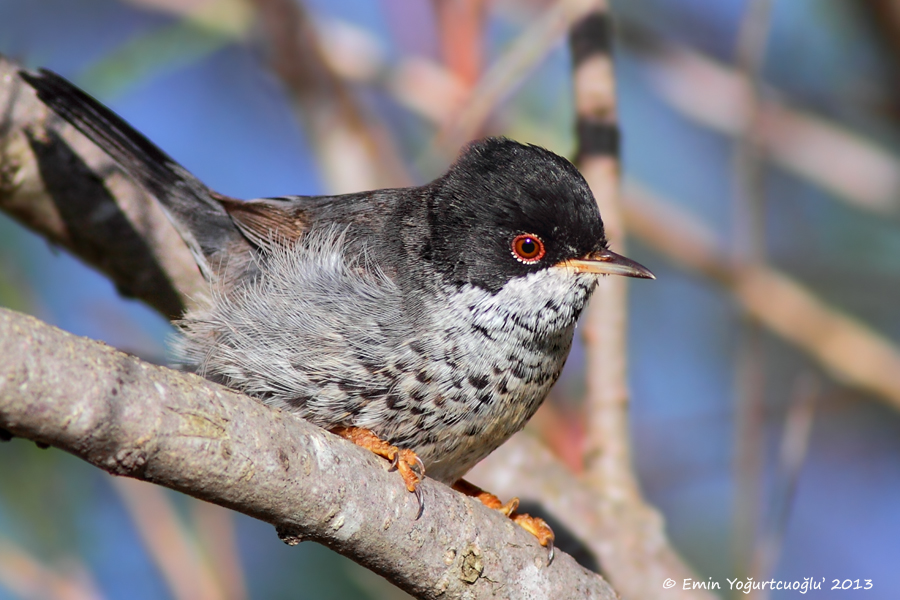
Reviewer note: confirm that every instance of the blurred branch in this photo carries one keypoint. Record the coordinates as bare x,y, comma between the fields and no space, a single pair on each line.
847,349
791,458
57,183
627,538
636,556
178,430
885,18
202,27
217,534
828,155
27,578
167,541
460,25
524,54
749,236
354,153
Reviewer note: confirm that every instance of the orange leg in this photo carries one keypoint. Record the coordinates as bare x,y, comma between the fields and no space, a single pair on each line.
533,525
410,466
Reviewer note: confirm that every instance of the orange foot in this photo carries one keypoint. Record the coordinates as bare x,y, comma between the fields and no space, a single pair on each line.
533,525
410,466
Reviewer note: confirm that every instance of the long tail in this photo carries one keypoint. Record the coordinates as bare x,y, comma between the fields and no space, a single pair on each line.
193,208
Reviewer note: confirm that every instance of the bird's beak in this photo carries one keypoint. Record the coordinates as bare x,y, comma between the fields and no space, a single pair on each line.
607,262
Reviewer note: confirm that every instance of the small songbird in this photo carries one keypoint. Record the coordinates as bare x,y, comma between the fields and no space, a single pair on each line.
425,323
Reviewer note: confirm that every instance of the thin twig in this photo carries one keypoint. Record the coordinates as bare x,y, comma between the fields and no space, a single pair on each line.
635,556
215,528
626,539
750,247
354,153
167,541
506,73
791,458
460,28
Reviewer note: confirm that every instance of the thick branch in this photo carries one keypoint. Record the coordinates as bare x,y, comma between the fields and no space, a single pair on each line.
183,432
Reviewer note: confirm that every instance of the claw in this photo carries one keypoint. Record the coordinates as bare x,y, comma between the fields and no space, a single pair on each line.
420,496
421,472
510,507
533,525
410,466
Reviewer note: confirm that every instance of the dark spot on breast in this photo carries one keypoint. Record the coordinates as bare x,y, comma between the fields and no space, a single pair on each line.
418,347
373,393
479,382
451,418
483,331
423,377
456,380
485,397
402,366
299,400
346,386
544,377
519,370
473,429
367,363
393,401
502,388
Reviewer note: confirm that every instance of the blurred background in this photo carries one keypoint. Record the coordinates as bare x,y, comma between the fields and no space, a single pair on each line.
756,133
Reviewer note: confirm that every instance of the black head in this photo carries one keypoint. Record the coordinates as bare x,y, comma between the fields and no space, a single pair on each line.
498,190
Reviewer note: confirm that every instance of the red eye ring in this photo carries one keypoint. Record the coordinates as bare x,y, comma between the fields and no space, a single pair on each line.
528,248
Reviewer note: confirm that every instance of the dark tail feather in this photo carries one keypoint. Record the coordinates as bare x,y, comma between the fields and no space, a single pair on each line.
192,207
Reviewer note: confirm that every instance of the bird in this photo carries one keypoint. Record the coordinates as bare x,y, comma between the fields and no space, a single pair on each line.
425,323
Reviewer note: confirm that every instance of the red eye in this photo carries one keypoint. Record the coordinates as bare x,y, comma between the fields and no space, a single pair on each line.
528,248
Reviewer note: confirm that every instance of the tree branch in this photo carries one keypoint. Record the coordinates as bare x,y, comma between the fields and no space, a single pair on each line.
183,432
854,168
637,556
354,152
56,182
843,346
627,539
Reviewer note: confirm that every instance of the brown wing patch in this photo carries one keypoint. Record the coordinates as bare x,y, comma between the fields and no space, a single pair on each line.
266,221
